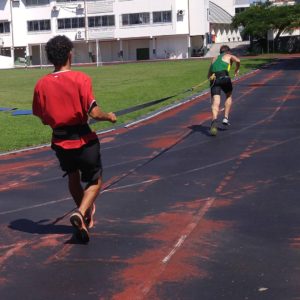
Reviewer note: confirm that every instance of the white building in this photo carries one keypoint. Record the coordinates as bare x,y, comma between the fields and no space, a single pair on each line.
105,30
283,2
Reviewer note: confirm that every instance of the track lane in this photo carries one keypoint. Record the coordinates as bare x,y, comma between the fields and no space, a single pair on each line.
139,227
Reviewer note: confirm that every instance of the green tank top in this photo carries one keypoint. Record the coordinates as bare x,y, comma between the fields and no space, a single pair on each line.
219,65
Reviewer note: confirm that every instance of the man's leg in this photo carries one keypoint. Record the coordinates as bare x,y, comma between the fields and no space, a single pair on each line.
89,163
78,218
90,194
75,187
216,99
77,193
228,104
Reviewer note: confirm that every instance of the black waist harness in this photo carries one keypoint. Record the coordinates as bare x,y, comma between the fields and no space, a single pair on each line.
222,74
74,132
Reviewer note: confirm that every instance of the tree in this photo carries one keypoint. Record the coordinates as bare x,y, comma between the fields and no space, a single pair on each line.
258,19
284,19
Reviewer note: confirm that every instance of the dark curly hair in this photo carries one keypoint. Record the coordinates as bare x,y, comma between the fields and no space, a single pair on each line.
224,49
58,49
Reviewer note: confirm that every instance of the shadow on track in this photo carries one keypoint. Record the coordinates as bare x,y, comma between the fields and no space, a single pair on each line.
30,226
203,129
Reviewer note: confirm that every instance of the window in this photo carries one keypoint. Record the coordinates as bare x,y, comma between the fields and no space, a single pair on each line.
239,9
69,23
162,16
101,21
39,25
4,27
134,19
36,2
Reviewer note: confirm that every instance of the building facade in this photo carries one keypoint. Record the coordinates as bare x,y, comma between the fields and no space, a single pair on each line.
105,30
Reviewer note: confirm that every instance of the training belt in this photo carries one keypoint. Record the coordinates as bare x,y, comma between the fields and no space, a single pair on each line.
222,74
74,132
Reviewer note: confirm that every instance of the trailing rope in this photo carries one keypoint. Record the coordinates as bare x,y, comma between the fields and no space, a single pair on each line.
153,102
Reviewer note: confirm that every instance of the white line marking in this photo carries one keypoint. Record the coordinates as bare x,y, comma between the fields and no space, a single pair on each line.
24,183
176,247
34,206
189,229
200,168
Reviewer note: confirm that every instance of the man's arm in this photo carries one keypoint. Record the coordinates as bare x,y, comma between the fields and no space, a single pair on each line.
209,70
36,106
234,59
99,115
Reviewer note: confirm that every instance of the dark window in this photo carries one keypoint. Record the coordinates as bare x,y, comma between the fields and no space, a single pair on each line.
60,24
36,2
69,23
239,9
134,19
74,23
39,25
4,27
101,21
162,16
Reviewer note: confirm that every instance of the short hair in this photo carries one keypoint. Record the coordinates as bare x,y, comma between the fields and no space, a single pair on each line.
58,49
224,49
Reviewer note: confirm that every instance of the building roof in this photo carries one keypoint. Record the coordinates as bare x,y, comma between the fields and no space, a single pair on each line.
218,15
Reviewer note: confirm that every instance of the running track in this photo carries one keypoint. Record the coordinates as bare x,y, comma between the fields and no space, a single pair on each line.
182,216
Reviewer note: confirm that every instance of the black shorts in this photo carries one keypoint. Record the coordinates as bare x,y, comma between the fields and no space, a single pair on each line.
221,84
86,159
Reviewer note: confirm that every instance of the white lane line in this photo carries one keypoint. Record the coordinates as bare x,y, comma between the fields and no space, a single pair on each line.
157,179
24,183
162,178
176,247
265,148
34,206
189,229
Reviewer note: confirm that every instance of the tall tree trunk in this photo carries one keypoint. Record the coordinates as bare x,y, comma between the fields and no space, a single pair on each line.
276,40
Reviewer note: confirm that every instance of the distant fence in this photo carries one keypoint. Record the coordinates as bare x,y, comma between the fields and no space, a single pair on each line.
289,44
285,44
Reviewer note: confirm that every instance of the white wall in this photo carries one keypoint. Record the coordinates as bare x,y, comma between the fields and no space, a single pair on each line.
149,30
198,17
181,22
172,47
6,62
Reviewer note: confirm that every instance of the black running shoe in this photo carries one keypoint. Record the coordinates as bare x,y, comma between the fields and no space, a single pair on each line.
78,223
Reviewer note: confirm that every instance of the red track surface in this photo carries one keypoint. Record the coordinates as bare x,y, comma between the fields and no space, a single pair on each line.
182,215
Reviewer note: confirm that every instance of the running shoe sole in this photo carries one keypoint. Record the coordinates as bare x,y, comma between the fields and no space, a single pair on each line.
77,221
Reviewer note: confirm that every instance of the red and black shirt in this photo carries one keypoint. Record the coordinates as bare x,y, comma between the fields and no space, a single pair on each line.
64,99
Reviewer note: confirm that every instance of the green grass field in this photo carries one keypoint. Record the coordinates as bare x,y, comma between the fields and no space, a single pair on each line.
115,87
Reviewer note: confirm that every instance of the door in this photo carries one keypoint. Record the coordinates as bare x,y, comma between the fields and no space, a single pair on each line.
142,53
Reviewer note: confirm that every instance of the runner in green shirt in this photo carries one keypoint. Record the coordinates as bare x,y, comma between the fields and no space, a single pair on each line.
220,81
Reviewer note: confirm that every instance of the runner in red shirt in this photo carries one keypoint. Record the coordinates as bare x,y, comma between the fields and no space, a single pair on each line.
64,100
